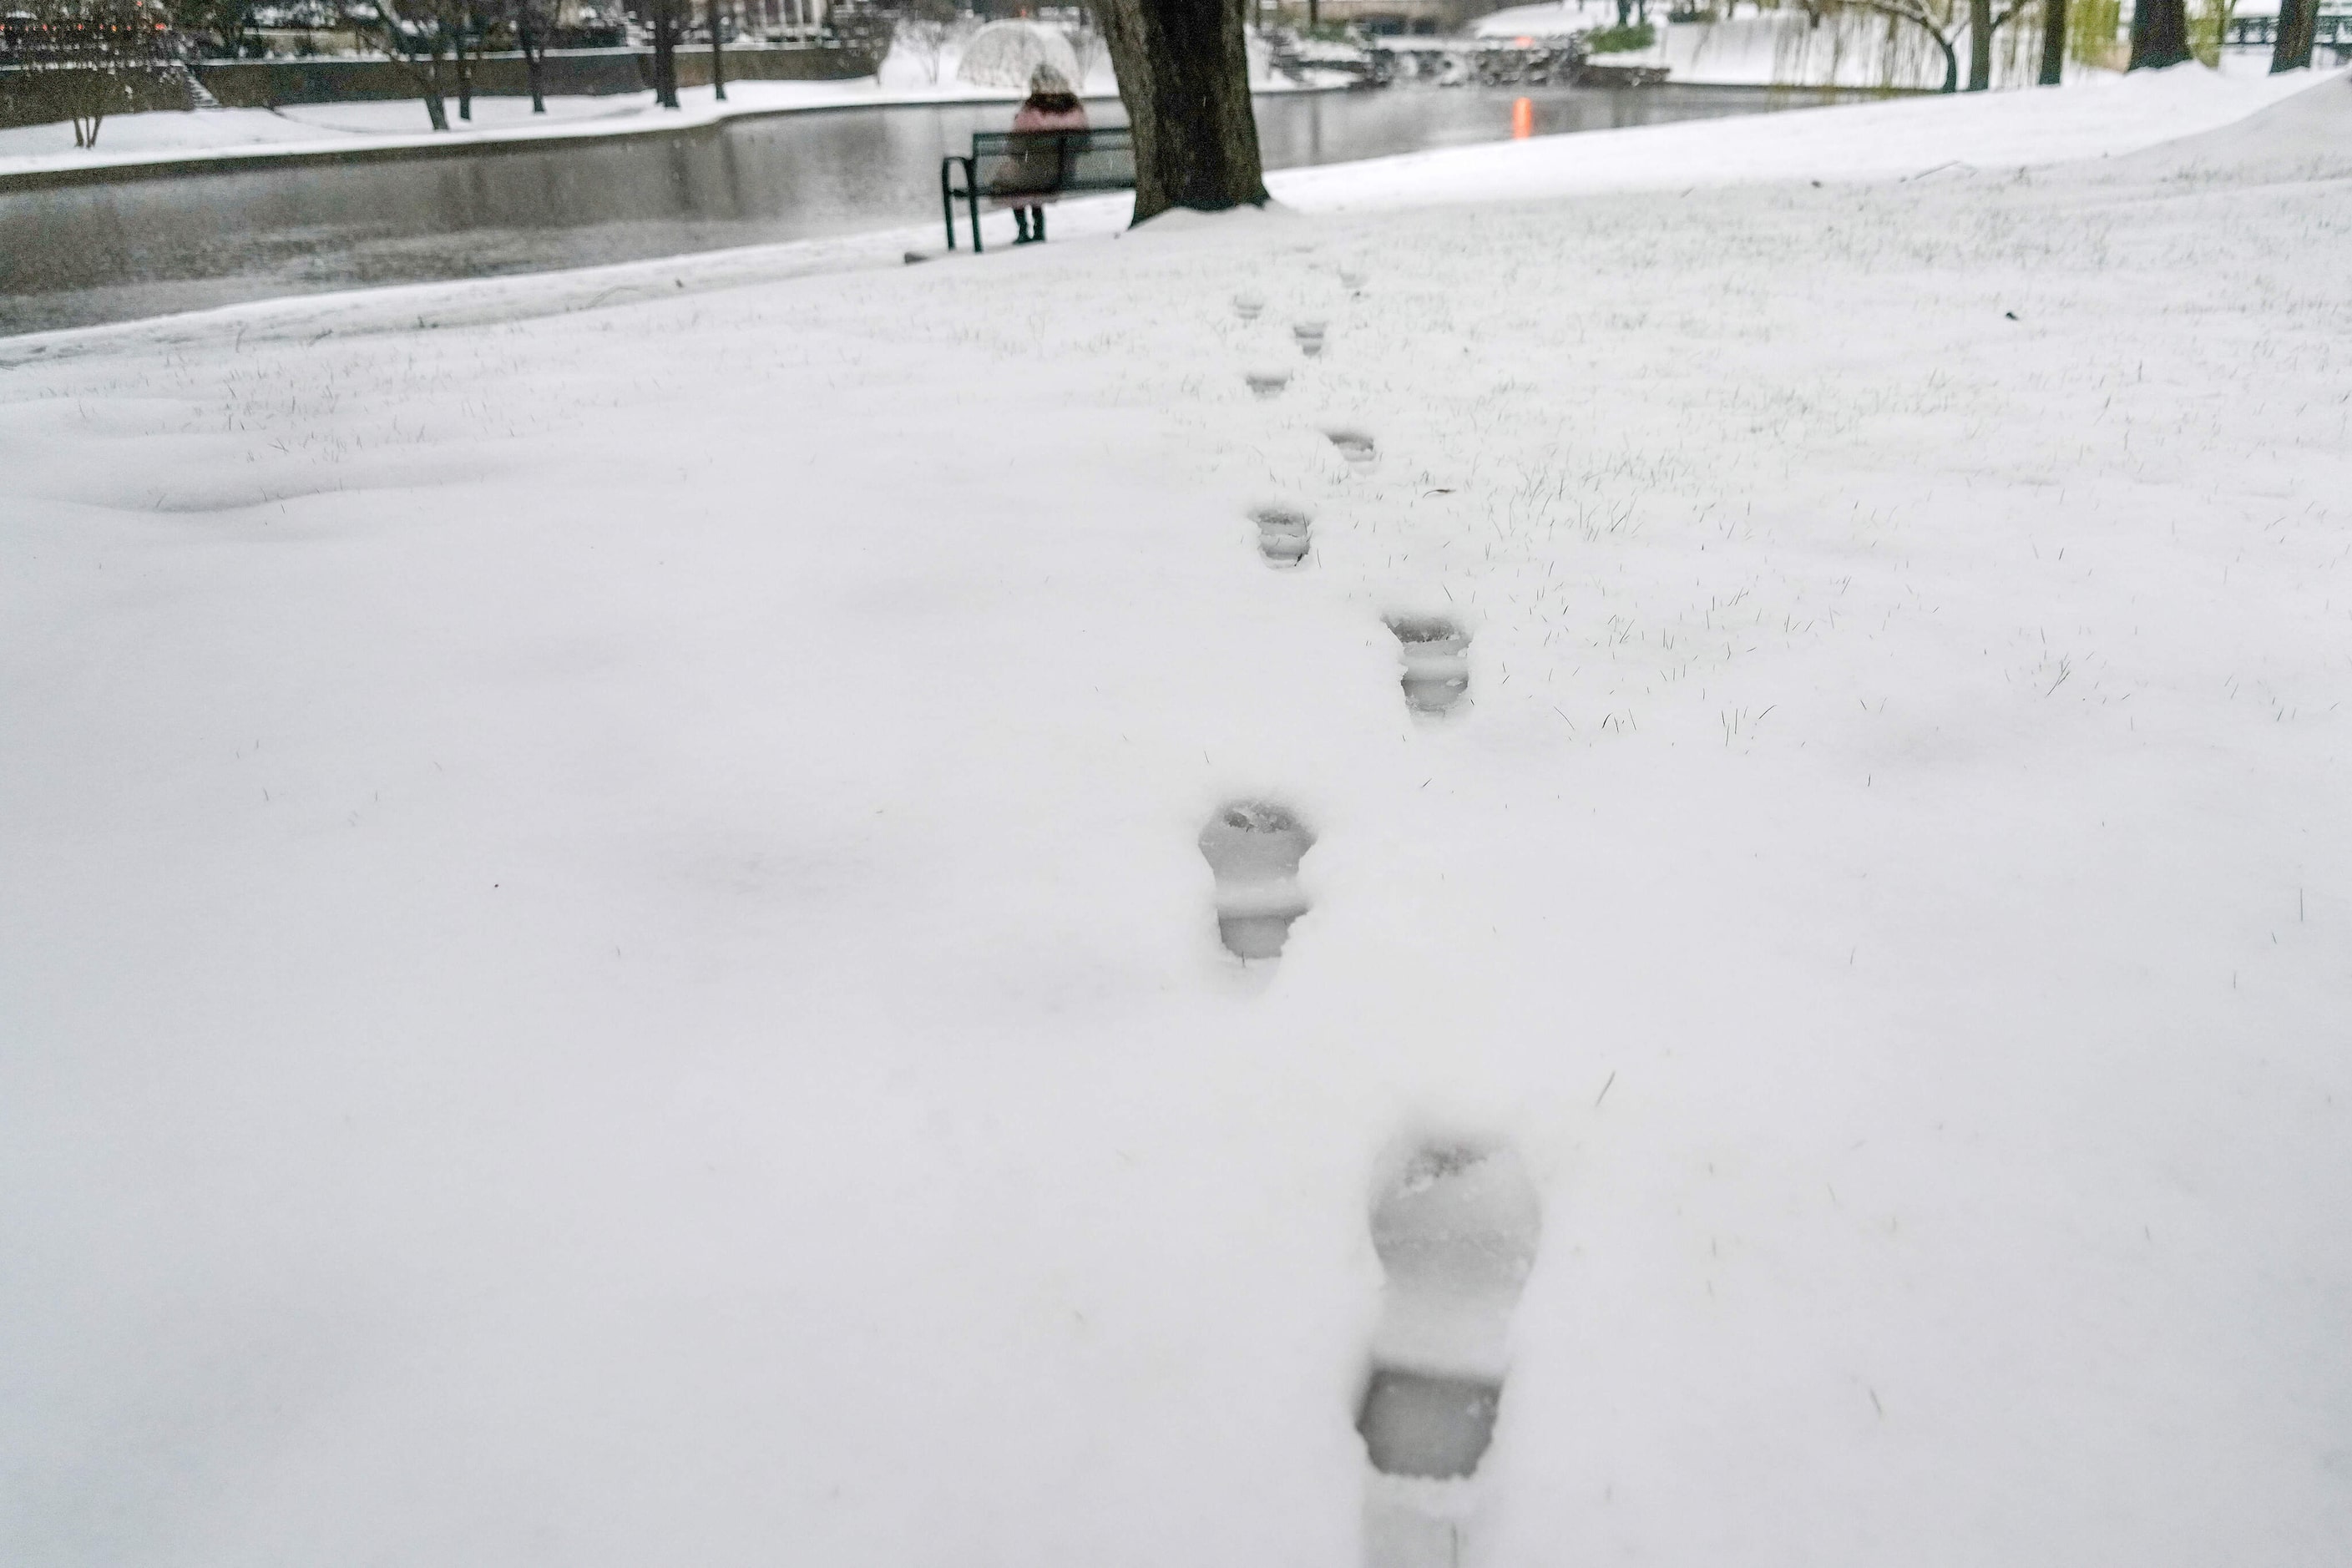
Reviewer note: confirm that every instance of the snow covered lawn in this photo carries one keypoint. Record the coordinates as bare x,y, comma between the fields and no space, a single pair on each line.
605,958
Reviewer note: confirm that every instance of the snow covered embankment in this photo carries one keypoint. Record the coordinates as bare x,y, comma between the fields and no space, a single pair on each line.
609,956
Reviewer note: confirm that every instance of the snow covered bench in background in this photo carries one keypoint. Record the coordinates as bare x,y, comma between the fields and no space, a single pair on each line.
1031,168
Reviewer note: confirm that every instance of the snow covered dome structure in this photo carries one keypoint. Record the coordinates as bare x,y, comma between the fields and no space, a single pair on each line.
1003,54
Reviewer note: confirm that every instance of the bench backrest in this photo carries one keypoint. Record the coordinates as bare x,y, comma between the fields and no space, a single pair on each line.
1013,161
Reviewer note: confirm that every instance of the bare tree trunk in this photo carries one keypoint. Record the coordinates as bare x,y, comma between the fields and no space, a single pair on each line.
2053,42
435,108
1980,44
464,67
527,36
383,29
665,53
2160,33
2298,29
718,57
1184,72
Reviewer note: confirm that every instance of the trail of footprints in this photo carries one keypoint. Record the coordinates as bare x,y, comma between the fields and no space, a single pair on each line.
1456,1226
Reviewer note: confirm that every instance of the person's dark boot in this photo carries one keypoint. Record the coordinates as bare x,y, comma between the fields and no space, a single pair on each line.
1021,222
1040,225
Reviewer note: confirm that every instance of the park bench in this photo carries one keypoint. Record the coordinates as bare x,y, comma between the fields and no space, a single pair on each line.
1031,168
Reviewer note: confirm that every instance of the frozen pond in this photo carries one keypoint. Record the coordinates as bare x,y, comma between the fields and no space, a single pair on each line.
113,252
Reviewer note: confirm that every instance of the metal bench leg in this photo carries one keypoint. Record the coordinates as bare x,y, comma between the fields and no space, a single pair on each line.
972,194
947,199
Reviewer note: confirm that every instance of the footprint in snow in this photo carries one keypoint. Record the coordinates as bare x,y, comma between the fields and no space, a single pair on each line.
1254,848
1267,384
1310,336
1361,451
1283,535
1437,655
1455,1233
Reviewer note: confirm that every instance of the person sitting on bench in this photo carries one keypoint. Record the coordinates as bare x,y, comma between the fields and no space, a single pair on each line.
1050,106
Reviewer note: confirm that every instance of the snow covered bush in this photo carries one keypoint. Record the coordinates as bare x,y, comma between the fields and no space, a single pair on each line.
1003,54
87,58
1622,40
923,30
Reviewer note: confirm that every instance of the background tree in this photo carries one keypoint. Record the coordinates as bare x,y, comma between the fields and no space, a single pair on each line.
2092,30
1939,20
464,32
2298,30
1087,40
532,21
92,55
1983,23
2208,30
861,27
923,29
417,37
221,28
2160,33
1945,23
2053,42
1183,74
663,16
717,53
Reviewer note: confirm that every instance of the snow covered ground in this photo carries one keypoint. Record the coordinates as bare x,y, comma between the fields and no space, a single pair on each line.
606,959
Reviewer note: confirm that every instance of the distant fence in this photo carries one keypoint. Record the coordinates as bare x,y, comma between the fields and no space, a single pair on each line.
586,73
39,98
2334,30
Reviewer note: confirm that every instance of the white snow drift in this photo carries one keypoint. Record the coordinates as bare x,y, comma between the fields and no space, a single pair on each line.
606,953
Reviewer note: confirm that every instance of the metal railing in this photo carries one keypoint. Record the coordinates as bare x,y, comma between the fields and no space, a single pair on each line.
2334,30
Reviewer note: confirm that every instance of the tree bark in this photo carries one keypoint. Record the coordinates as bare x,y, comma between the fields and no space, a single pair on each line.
2160,33
1980,44
665,53
428,88
2053,42
464,66
533,52
1951,64
1183,73
718,57
2298,30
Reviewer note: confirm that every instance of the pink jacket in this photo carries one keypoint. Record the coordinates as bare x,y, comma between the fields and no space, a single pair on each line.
1033,116
1032,174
